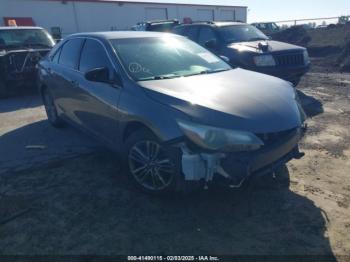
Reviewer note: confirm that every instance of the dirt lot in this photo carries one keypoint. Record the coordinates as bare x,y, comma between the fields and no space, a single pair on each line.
85,205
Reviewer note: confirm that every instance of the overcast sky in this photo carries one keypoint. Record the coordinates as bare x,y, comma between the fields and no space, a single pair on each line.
273,10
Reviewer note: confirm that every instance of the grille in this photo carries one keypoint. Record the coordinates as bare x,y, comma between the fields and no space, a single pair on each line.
290,59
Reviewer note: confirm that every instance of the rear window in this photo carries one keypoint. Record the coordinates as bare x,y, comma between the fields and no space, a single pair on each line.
70,53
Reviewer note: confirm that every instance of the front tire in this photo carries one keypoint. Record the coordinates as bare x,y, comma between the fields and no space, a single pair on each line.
152,166
50,109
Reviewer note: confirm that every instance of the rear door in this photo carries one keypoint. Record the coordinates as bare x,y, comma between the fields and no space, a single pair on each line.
98,103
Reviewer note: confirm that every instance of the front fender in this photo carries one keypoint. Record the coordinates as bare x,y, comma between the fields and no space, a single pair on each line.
158,117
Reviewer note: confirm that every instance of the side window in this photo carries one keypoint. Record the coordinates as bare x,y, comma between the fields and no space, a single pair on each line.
206,34
70,53
192,32
262,26
93,56
56,56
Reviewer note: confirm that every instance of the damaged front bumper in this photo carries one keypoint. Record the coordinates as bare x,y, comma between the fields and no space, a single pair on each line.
19,66
239,167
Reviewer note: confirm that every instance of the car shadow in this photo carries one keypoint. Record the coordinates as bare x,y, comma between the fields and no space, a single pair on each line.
311,105
87,206
253,221
18,103
39,143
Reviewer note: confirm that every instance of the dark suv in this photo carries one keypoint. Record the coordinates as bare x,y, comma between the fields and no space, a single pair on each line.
246,46
156,26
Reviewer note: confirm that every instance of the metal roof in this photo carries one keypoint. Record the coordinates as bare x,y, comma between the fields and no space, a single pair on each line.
155,2
19,27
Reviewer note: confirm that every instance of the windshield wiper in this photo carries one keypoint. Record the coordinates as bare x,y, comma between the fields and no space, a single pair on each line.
257,39
160,77
205,72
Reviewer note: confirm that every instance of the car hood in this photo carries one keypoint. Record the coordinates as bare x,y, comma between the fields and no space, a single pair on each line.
258,46
235,99
4,52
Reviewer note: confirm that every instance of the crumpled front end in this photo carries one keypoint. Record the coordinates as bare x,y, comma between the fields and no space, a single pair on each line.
20,65
279,148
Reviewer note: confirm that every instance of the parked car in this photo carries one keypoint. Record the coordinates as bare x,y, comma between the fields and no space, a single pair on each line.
20,50
247,47
267,28
156,26
176,113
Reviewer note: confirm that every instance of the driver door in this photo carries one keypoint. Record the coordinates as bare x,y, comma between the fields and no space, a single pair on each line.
98,102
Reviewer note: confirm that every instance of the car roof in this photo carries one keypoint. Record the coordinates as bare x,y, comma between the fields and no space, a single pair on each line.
263,23
214,23
19,27
121,34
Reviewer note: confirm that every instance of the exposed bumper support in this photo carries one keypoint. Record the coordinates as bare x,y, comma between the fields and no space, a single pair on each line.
204,166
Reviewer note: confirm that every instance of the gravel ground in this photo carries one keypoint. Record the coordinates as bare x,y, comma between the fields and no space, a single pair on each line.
86,205
27,140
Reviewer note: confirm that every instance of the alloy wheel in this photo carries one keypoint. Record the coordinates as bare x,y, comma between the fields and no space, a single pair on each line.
151,166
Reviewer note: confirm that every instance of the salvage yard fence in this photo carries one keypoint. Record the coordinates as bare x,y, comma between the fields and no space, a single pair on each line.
314,22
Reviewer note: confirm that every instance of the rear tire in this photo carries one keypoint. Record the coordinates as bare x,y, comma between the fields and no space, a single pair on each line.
50,108
153,167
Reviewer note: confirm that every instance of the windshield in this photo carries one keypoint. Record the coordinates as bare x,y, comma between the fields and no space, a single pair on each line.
13,38
165,57
241,33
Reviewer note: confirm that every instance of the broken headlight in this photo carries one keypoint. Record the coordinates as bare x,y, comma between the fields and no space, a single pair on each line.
213,138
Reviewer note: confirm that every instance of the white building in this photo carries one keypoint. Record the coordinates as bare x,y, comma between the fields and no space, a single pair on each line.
103,15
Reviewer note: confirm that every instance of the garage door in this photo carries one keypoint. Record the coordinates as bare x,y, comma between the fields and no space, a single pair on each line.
156,14
227,15
205,15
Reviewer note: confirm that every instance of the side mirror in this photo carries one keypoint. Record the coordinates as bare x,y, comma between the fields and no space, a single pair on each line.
98,75
102,75
211,44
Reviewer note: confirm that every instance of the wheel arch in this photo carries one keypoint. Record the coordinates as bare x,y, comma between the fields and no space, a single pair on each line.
134,126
